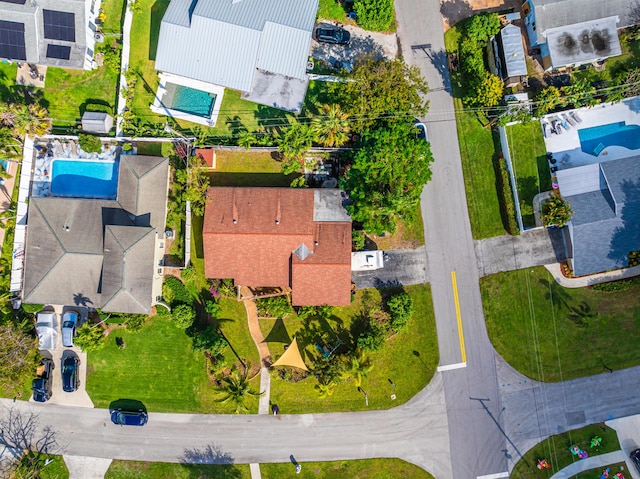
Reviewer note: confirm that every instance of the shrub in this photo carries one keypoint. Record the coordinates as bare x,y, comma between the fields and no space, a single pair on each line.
89,337
401,309
189,274
315,312
483,26
372,339
162,312
358,240
507,204
90,143
175,292
222,288
556,211
32,308
183,315
634,258
617,286
134,322
276,307
212,308
210,340
375,15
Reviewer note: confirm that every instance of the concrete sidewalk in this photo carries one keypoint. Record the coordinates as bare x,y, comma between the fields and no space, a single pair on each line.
591,462
598,278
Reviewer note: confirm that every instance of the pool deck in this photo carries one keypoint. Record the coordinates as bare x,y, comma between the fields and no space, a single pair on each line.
566,146
45,153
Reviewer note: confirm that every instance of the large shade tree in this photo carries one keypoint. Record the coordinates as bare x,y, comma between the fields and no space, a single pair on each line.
381,89
385,180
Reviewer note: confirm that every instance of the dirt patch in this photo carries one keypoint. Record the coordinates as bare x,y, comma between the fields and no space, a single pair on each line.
363,42
454,11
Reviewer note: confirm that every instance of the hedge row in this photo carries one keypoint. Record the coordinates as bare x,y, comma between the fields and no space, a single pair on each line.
507,204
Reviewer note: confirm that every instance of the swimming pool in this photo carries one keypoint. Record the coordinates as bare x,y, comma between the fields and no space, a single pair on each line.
595,139
192,101
84,179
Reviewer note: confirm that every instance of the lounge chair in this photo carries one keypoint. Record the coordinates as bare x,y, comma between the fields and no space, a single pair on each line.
570,120
575,116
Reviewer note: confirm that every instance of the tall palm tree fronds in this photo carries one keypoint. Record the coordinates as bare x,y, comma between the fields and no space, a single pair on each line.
357,366
236,391
331,127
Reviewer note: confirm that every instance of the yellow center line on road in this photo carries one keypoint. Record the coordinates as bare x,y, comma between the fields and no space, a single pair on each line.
454,284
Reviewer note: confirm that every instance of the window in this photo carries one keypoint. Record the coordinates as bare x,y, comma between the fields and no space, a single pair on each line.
59,25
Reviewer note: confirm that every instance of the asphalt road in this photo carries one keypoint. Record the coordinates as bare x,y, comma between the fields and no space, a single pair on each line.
473,404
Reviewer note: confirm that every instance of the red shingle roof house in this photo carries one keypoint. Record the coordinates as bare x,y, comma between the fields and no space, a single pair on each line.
280,237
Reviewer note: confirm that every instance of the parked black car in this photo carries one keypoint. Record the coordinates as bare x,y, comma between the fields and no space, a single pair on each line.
635,458
70,378
41,385
129,418
326,33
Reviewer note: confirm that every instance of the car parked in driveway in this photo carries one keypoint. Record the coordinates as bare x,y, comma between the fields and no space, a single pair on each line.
46,330
327,33
635,458
70,377
69,322
41,386
129,418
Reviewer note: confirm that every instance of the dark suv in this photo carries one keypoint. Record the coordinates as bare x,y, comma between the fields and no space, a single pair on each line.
41,385
70,380
129,418
635,458
327,33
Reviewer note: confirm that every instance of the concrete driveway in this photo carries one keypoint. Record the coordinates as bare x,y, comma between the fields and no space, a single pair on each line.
402,267
58,396
363,42
628,429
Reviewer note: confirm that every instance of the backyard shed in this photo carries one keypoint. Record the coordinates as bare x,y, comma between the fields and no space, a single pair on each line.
97,122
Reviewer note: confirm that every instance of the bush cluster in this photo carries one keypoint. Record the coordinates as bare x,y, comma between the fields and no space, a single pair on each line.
90,143
276,307
617,286
381,321
507,204
175,292
376,15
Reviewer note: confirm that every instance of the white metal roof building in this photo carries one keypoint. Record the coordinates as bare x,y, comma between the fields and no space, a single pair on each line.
233,43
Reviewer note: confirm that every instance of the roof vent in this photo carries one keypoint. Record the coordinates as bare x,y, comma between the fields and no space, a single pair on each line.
235,221
277,222
302,251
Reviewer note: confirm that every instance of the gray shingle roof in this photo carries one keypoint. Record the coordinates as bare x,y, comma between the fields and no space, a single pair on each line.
606,223
98,252
225,41
557,13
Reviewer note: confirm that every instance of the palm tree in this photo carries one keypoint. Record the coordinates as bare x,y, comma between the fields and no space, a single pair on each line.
325,390
295,141
31,120
7,114
332,126
357,367
236,390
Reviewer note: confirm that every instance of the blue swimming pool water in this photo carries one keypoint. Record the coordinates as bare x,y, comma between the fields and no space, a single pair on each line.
194,102
84,179
594,140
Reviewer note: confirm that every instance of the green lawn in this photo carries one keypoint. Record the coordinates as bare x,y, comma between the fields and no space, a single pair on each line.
159,368
409,359
479,148
331,10
528,157
370,469
248,168
556,451
551,333
165,470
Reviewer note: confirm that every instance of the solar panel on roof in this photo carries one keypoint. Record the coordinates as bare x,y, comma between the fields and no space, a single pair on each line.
59,25
12,40
60,52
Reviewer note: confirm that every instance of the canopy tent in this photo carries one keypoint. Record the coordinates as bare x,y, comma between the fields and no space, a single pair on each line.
291,357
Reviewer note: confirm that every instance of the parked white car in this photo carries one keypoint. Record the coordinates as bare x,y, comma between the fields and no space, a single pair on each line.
46,329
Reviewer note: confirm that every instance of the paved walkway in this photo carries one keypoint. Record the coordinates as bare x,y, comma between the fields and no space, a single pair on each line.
583,281
124,66
535,247
591,462
83,467
265,378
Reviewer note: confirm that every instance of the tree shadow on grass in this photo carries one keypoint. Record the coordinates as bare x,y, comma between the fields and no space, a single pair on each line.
193,460
278,333
94,104
272,120
251,179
